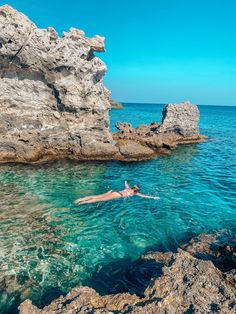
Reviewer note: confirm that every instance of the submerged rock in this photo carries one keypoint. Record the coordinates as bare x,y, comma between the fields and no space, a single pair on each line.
187,284
53,103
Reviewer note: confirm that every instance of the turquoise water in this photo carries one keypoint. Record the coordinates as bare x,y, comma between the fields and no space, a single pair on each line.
48,245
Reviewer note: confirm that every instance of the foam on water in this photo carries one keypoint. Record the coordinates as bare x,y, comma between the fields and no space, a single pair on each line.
48,245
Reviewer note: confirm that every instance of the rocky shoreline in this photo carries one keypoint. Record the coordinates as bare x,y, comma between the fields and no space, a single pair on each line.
53,103
179,126
199,278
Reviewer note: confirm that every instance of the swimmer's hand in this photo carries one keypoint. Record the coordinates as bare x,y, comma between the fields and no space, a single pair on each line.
127,185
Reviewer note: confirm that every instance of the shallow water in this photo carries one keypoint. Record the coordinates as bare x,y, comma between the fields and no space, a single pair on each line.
48,245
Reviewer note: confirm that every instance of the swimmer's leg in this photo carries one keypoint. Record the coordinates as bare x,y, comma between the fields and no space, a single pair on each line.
83,199
112,195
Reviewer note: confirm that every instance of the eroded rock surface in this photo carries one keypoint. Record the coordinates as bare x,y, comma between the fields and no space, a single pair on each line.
181,119
53,103
179,126
186,284
52,97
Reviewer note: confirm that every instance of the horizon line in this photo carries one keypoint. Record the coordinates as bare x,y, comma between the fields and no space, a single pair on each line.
163,104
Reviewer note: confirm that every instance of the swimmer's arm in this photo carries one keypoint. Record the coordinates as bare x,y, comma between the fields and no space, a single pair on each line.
127,185
148,196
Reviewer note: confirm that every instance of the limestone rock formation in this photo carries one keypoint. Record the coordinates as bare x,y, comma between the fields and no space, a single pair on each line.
181,119
179,126
52,98
53,103
186,284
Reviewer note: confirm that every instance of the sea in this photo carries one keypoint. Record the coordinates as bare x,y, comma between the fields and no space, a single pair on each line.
48,245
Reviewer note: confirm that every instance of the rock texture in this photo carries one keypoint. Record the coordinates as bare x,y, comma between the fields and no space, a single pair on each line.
179,126
186,284
181,119
53,103
52,98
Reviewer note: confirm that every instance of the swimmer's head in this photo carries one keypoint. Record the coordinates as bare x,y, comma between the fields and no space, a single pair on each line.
136,188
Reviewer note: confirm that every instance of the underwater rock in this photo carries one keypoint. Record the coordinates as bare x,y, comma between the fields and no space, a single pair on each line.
186,284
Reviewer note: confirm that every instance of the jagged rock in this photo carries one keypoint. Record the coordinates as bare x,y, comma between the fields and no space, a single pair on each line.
191,284
52,97
53,103
179,126
181,119
82,300
186,285
210,247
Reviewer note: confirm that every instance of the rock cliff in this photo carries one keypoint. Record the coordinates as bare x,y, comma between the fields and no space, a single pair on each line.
52,98
199,278
53,103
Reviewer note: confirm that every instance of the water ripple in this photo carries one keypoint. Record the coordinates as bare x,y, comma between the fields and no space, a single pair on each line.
48,245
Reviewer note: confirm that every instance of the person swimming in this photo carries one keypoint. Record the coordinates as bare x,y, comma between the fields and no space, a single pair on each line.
110,195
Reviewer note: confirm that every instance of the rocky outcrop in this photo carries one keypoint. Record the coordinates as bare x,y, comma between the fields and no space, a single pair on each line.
52,98
186,284
53,103
179,126
116,105
181,119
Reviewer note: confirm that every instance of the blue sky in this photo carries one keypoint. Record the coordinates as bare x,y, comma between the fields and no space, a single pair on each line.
158,51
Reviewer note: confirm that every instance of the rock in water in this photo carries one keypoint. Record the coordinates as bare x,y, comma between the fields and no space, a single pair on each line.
179,126
181,118
53,101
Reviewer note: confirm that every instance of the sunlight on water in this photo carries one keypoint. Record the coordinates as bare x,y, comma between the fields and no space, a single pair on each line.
48,245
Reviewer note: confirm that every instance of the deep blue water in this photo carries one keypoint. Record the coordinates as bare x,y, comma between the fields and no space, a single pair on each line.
48,245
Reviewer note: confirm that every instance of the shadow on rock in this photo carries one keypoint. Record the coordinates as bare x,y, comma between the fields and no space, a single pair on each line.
219,249
125,276
168,283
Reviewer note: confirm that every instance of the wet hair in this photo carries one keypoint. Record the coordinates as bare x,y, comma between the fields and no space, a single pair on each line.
136,188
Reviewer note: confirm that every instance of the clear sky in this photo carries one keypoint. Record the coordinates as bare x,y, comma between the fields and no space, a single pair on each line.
158,51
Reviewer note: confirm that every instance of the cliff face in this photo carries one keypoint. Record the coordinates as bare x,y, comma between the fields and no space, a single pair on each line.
53,103
52,97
